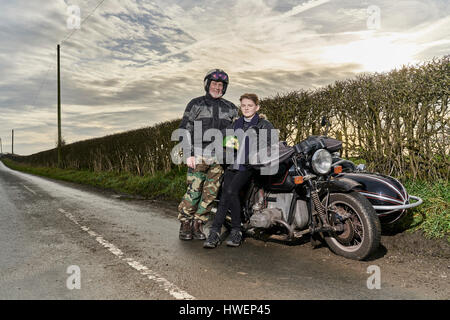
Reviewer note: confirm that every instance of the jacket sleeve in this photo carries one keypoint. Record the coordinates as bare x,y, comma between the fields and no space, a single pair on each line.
228,127
267,125
264,149
235,112
187,123
234,115
270,138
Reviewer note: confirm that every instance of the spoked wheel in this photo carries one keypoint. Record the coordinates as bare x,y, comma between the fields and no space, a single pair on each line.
361,227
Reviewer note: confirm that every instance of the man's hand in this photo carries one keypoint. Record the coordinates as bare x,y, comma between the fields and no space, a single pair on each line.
191,162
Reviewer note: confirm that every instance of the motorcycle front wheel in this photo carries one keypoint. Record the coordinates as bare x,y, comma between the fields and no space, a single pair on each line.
361,227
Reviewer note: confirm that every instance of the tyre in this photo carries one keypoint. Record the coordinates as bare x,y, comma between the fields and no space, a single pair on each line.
361,227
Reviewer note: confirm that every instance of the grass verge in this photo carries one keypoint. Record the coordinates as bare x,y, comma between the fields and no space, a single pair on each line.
432,217
163,186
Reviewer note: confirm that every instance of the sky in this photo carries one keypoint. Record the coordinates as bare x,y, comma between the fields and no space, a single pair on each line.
135,63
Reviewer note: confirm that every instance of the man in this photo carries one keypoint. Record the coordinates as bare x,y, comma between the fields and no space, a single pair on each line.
203,176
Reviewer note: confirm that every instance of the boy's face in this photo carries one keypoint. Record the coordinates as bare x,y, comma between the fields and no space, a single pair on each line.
248,108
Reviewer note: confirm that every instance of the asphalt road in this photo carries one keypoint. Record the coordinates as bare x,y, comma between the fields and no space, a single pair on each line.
130,250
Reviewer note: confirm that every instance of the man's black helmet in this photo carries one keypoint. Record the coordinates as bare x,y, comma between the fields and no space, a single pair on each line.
217,75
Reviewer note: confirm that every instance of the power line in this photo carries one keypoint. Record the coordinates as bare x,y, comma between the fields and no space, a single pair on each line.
43,82
51,64
84,20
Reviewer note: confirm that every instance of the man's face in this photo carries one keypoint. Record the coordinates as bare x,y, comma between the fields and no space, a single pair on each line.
215,89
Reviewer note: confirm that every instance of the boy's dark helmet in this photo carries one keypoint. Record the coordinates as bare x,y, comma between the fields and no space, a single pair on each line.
216,75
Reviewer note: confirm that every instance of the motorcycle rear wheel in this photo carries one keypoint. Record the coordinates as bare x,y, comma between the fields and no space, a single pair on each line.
362,228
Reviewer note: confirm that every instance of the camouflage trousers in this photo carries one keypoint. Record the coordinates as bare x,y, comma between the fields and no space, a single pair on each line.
203,185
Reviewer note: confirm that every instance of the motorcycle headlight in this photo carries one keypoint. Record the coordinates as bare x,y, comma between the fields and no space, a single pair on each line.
321,161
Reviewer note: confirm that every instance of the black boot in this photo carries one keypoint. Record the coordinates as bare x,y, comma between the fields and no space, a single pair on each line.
186,230
213,239
235,238
197,230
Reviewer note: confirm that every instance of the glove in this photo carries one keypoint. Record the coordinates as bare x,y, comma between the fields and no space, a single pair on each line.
231,142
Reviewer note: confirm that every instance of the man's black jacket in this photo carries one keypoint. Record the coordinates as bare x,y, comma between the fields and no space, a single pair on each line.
213,114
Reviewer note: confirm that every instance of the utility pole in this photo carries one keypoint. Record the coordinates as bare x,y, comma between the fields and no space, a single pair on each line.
12,144
59,111
1,146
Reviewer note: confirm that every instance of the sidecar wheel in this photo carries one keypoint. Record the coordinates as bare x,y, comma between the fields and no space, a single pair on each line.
362,228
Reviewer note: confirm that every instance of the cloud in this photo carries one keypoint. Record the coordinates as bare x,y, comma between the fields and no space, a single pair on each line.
136,63
305,6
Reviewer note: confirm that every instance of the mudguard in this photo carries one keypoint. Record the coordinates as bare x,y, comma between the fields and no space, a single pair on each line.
343,184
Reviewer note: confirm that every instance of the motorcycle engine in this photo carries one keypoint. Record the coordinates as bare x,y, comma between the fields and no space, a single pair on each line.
265,218
278,208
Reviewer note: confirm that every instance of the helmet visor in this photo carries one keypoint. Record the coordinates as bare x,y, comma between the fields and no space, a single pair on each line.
219,76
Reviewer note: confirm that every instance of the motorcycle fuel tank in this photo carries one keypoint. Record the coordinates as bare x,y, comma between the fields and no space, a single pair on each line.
282,181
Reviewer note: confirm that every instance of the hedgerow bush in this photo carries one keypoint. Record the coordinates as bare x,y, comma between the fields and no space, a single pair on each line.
398,122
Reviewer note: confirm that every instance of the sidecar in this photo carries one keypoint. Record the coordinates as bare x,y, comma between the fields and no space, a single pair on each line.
387,195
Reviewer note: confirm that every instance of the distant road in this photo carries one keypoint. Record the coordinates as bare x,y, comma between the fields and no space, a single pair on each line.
130,250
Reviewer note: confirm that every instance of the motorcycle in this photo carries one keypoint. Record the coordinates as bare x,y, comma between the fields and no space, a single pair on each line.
317,193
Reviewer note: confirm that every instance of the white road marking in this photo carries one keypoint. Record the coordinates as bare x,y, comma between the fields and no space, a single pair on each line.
169,287
30,190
